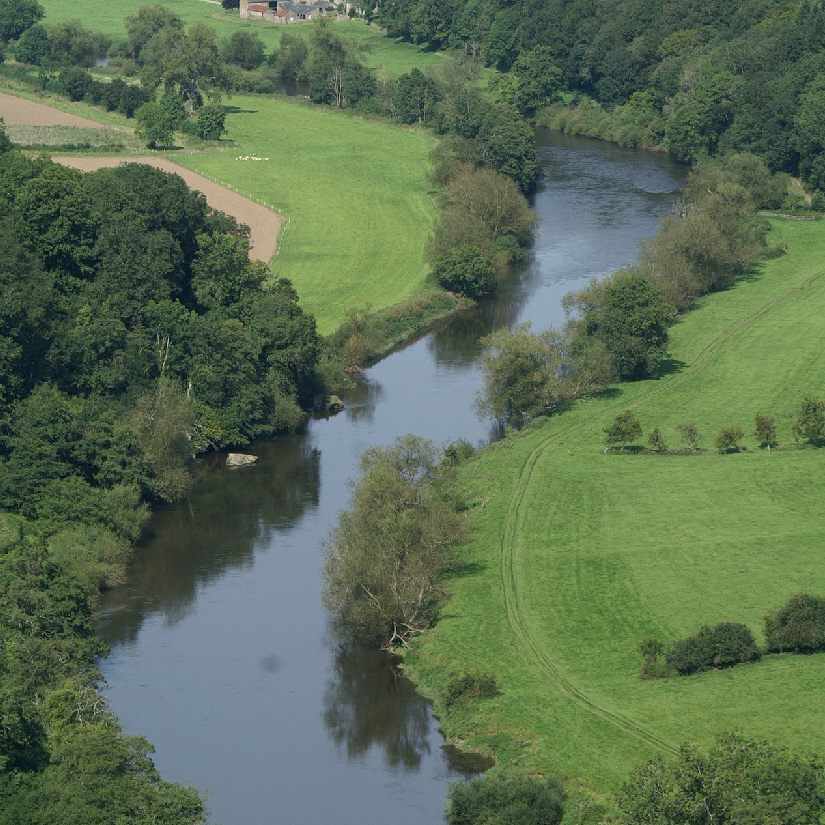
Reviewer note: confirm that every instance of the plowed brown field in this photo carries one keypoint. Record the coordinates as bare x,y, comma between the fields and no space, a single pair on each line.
19,110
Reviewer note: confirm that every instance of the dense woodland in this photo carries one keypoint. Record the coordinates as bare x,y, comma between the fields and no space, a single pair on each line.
699,78
134,333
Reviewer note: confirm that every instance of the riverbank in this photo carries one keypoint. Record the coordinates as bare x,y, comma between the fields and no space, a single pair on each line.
578,556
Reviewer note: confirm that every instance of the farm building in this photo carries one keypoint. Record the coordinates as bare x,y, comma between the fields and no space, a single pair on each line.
282,11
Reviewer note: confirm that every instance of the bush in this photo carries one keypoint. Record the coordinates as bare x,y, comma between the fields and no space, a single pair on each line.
506,799
211,119
458,452
810,421
765,431
799,627
739,781
690,433
465,270
623,430
657,441
727,644
470,685
728,439
75,83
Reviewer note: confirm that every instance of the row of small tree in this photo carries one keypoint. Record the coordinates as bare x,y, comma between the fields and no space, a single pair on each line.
808,428
798,627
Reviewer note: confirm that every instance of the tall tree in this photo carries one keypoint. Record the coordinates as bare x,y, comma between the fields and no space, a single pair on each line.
389,550
16,16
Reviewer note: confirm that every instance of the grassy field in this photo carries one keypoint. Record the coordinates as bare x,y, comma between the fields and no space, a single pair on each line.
577,555
355,192
374,47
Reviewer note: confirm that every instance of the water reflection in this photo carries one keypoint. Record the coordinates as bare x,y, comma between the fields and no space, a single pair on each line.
220,637
369,703
217,529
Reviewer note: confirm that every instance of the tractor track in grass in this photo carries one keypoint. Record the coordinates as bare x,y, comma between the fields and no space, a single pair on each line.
515,514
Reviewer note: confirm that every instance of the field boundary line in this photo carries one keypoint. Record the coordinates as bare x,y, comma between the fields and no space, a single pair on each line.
514,519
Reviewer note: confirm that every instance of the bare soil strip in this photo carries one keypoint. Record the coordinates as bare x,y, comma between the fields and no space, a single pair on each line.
19,110
262,222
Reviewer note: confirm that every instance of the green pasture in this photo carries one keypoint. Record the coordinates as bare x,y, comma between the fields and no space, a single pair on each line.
373,46
355,192
577,555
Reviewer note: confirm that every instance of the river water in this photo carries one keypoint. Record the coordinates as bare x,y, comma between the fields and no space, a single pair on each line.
221,654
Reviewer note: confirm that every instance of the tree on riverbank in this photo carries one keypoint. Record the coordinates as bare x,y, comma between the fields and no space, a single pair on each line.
386,555
737,781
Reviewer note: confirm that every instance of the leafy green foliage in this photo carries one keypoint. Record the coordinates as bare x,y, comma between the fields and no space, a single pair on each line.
657,441
211,121
243,48
506,797
465,270
623,429
16,16
289,58
737,781
627,316
725,645
690,433
521,375
728,438
765,430
155,125
386,555
799,627
809,424
470,685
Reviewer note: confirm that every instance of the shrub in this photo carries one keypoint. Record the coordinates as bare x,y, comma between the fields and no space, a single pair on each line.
211,121
693,654
653,666
470,685
727,644
458,451
623,430
734,644
506,799
690,433
799,627
465,270
75,83
728,439
765,431
810,421
657,441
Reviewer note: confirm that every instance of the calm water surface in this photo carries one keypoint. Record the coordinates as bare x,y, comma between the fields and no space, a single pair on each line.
220,650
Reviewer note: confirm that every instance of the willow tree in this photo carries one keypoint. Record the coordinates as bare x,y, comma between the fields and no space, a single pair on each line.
390,548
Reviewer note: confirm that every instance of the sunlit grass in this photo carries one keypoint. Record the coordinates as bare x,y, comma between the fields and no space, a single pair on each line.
604,550
355,192
372,45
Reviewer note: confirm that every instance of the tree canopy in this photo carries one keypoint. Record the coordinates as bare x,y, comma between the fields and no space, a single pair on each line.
386,555
737,781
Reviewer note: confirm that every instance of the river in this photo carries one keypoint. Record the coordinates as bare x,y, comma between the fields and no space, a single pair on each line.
221,654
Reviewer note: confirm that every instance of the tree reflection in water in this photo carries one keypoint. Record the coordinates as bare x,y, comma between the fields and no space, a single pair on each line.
369,703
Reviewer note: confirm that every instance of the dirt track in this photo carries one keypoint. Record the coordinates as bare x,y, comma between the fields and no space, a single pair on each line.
262,222
18,110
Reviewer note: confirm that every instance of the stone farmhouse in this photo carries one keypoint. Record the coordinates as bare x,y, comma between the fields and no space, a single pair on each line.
283,11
